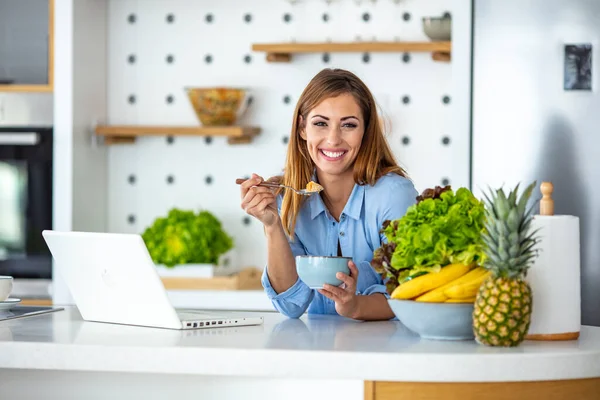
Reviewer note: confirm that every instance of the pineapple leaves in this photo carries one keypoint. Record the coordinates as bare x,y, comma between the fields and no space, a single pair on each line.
525,198
512,197
508,244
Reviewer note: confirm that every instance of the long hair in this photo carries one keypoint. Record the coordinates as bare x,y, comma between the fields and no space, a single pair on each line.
374,158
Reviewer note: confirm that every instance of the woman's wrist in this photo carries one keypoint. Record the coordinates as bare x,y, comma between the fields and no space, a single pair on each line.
275,228
357,312
372,307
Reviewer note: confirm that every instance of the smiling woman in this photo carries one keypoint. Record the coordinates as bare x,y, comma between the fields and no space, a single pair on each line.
336,141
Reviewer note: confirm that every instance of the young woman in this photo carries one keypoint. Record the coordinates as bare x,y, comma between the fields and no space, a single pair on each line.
337,141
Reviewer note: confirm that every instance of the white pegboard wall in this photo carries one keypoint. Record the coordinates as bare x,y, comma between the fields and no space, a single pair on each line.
157,47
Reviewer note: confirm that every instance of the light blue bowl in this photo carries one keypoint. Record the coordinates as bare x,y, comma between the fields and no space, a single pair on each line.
437,321
317,270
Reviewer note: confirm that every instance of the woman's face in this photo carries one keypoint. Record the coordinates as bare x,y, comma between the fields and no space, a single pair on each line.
333,132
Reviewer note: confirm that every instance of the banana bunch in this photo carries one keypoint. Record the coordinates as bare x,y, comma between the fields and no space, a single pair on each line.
455,283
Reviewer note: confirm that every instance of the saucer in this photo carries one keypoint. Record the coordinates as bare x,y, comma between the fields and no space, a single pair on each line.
8,304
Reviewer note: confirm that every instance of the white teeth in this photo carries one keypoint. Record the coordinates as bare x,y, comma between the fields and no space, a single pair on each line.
333,154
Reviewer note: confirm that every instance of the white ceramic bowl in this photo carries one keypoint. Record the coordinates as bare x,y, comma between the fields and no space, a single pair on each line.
438,28
6,285
438,321
317,270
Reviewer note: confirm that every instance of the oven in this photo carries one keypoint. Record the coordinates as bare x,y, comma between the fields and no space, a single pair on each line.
25,201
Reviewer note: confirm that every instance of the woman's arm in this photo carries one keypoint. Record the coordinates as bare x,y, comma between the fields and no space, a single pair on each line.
289,295
280,259
261,203
372,307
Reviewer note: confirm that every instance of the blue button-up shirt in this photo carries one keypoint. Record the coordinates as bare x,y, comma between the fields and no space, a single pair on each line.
358,233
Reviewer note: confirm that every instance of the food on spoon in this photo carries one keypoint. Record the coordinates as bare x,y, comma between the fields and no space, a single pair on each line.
313,187
441,230
503,304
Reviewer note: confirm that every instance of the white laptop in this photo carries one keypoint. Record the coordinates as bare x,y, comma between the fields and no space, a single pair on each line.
112,278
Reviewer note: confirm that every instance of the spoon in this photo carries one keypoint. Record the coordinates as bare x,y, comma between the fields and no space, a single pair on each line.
303,192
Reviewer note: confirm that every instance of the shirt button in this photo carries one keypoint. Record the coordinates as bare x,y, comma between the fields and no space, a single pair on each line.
342,233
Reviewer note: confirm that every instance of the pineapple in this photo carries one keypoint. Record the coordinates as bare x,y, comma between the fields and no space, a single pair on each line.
503,304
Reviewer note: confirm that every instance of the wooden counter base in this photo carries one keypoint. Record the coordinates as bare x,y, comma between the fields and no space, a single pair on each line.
575,389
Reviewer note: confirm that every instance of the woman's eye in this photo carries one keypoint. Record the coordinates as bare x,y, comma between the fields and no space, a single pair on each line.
349,125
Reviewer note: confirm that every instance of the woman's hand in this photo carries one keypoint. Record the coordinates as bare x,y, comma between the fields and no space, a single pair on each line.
345,298
259,201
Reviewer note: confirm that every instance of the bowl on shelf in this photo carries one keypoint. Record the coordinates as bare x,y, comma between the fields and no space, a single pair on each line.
438,28
317,270
218,106
436,321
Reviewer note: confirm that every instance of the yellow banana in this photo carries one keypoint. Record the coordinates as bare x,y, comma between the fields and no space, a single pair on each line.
466,289
427,282
437,295
465,300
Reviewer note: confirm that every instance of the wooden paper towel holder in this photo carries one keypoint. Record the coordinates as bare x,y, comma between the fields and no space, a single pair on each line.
547,208
546,203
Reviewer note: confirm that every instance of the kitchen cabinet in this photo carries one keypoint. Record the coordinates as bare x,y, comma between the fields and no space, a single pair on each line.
26,45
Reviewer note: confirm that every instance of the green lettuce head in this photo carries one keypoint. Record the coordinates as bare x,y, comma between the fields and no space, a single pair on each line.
185,237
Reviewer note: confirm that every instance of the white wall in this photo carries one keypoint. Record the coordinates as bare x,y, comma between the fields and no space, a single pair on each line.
80,189
425,120
26,109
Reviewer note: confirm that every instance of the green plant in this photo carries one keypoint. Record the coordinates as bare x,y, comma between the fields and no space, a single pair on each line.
186,237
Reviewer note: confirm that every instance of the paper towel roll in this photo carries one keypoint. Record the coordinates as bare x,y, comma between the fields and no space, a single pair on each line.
555,279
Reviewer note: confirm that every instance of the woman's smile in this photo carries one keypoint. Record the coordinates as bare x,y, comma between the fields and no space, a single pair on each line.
333,155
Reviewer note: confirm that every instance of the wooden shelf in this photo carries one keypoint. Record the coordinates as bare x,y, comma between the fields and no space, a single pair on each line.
36,302
282,52
27,88
246,279
121,134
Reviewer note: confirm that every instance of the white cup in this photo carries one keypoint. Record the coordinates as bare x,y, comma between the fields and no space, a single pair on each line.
6,285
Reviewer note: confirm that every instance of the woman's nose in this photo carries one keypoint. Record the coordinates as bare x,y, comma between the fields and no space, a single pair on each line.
334,136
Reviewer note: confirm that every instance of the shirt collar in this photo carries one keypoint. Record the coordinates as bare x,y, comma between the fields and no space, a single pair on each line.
355,202
353,207
316,205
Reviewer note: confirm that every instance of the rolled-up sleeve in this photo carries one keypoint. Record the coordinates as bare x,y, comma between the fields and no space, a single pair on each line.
377,285
294,301
400,198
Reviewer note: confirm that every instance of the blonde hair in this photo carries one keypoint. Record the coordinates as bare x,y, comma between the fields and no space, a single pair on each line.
374,158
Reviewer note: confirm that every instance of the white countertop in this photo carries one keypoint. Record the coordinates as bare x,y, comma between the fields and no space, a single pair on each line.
248,300
311,347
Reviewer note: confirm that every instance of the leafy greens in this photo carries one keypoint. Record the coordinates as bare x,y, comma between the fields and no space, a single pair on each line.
186,237
442,228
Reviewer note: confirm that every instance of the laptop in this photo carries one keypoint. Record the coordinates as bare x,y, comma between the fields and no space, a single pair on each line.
113,279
